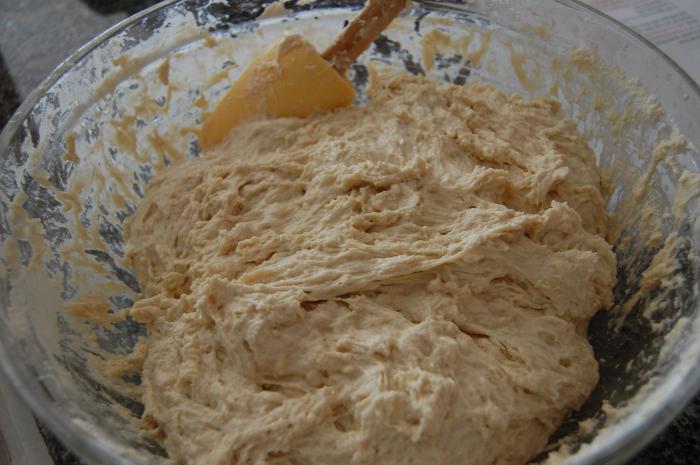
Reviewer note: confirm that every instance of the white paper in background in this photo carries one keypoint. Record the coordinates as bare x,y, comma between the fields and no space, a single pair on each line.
672,25
23,445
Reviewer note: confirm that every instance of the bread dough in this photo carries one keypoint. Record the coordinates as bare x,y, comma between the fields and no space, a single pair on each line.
407,282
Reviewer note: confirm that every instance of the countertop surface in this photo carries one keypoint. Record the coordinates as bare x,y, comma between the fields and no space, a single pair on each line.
36,35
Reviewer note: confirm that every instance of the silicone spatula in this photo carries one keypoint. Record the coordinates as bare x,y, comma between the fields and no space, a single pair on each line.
292,79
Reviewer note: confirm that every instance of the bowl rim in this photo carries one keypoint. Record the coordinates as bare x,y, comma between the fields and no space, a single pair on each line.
106,450
615,448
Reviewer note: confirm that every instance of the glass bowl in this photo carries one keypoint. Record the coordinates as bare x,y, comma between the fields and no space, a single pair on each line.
77,155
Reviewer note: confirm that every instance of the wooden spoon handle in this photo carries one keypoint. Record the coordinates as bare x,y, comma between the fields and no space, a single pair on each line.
361,32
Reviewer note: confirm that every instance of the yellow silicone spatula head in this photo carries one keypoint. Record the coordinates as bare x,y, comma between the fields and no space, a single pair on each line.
292,79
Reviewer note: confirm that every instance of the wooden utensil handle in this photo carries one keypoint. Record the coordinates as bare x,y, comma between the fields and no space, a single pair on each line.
361,32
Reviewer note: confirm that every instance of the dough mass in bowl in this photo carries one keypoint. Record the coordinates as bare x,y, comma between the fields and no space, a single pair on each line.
404,282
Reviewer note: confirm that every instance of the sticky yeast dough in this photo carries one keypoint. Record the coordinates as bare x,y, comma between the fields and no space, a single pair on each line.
407,282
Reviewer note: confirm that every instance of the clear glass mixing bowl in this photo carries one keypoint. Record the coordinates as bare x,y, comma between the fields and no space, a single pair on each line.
78,153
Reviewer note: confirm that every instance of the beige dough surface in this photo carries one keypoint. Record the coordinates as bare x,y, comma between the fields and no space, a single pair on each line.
407,282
